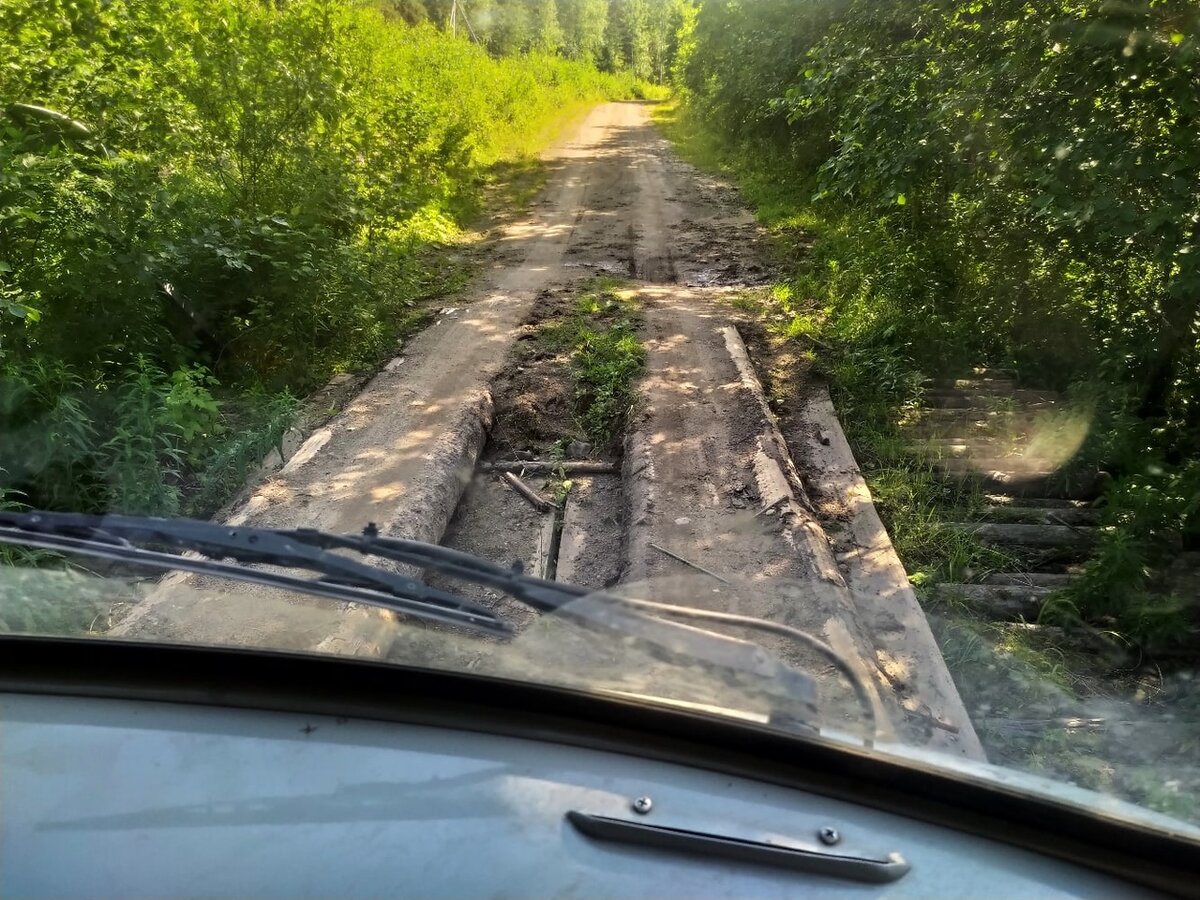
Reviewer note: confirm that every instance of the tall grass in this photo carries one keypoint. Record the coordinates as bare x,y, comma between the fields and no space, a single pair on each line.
263,197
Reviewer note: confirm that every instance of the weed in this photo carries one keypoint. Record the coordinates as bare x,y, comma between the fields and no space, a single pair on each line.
254,427
913,504
600,338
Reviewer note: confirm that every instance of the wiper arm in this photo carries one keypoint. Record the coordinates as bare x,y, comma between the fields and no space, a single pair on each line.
130,539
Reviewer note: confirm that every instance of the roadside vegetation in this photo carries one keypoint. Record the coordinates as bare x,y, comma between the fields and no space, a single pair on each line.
983,184
229,201
951,186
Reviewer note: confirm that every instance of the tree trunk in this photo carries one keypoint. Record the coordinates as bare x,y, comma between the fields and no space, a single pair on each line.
1174,341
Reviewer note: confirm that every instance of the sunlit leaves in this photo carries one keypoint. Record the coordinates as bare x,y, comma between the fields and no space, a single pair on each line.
997,180
263,198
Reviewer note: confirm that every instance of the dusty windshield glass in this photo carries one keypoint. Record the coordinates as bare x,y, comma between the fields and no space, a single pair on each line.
872,320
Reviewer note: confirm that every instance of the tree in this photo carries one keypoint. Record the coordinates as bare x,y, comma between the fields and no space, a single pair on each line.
634,31
547,36
665,21
411,11
511,28
612,55
584,25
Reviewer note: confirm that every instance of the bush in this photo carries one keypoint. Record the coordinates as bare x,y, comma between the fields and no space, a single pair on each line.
999,184
249,197
1020,178
130,444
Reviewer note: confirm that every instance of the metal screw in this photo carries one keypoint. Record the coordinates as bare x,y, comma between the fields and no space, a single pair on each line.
828,835
642,805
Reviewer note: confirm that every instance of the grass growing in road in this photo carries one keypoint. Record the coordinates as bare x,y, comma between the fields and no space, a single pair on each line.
600,336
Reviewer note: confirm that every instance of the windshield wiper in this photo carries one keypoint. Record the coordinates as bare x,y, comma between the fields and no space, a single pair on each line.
161,544
173,544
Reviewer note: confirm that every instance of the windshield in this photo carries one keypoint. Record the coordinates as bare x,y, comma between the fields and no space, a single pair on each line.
861,334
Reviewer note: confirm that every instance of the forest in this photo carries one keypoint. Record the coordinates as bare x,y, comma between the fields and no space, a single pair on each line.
208,207
987,184
638,36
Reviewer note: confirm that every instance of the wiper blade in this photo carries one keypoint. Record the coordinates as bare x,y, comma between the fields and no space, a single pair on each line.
128,539
131,539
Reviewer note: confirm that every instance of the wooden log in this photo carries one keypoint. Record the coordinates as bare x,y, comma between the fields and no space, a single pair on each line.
880,585
957,447
1007,602
537,500
1040,536
970,398
1012,466
545,466
1025,412
1020,483
982,383
1031,579
1040,515
1039,502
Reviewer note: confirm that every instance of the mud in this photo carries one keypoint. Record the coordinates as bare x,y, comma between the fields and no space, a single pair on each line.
579,543
533,394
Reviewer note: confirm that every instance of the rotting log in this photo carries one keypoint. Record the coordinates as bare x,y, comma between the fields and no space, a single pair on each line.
546,466
1007,602
1025,484
1031,579
900,631
1066,537
1020,514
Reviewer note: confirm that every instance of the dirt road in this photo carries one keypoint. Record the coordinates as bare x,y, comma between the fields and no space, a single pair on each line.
706,476
401,453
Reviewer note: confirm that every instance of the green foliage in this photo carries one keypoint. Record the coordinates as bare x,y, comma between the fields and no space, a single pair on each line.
138,442
605,363
1000,183
584,25
188,406
914,504
1021,179
638,36
1030,712
1151,515
253,198
600,338
251,432
141,461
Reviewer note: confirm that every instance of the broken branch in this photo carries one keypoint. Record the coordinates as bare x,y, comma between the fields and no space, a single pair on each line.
537,500
688,562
